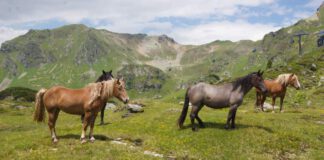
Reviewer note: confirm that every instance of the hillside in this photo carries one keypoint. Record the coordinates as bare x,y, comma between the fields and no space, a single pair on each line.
74,55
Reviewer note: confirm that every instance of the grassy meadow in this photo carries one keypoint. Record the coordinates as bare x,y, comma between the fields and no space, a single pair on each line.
298,133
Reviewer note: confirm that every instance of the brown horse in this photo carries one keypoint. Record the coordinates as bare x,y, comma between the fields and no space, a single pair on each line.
87,101
276,88
104,77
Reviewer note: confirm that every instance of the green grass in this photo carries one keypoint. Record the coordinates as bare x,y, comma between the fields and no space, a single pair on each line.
295,134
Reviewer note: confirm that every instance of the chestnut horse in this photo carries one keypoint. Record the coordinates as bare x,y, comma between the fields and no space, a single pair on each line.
87,101
219,96
104,77
277,88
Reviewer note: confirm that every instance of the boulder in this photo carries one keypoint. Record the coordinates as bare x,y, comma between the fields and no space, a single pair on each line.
135,108
110,106
268,106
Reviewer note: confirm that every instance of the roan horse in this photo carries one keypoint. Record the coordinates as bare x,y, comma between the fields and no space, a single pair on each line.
276,88
104,77
87,101
219,96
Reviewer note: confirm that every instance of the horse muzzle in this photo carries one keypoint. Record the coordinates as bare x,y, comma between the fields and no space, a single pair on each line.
126,100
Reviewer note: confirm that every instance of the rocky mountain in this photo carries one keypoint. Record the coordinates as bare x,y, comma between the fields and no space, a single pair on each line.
74,55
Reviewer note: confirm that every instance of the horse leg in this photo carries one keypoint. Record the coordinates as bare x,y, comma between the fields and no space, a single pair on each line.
230,116
257,101
93,119
55,118
273,104
263,98
233,119
102,114
82,118
193,114
281,103
201,123
87,119
52,117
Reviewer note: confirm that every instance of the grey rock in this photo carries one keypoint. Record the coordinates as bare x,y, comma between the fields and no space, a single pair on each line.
313,67
268,106
135,108
110,106
157,97
20,107
154,154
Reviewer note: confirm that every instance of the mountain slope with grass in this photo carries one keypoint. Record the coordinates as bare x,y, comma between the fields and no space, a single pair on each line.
158,70
74,55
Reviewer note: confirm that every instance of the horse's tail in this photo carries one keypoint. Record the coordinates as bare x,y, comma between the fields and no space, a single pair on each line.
184,110
39,114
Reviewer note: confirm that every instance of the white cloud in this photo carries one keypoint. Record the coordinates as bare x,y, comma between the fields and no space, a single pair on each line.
137,16
314,3
18,11
9,33
224,30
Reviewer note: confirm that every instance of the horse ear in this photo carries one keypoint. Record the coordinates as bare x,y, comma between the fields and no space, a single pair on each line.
110,71
103,71
261,73
118,82
291,75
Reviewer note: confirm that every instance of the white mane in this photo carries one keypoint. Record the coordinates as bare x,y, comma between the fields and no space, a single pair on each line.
284,78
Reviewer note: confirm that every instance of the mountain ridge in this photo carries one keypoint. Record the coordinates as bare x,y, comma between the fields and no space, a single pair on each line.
73,55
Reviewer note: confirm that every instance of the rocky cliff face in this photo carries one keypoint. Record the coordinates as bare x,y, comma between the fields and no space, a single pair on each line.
142,77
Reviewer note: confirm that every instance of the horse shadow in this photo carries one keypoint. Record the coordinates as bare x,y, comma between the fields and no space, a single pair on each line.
104,124
77,136
221,126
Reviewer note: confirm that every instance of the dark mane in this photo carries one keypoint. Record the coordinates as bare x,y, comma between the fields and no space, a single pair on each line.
101,78
105,76
244,81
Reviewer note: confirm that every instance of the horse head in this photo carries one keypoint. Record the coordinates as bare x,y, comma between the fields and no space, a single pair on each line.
120,90
105,76
293,81
257,81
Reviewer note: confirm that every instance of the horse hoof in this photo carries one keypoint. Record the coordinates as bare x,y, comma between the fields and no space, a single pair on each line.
92,139
83,140
226,127
194,129
55,141
282,111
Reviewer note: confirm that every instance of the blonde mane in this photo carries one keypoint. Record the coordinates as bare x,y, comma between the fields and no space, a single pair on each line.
102,90
283,79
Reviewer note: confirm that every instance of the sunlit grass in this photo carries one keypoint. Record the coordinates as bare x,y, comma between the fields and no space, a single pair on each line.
297,133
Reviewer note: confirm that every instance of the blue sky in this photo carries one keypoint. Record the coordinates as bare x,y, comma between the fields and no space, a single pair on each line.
187,21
